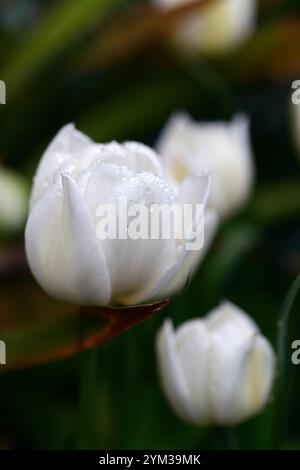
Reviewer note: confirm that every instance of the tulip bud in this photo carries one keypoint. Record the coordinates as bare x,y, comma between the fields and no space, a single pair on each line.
13,201
216,29
216,370
67,256
221,148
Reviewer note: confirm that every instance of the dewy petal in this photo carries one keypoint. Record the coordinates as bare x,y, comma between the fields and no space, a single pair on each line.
172,377
63,251
194,190
176,276
134,265
193,346
60,152
143,158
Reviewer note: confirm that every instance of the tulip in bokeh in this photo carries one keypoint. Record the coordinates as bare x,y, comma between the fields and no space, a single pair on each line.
13,201
189,147
216,370
67,258
217,29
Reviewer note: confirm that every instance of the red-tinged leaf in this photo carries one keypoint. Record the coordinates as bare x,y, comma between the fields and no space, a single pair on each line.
38,329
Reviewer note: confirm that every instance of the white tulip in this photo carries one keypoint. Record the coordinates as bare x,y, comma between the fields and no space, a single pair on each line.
219,28
216,370
189,147
13,200
65,254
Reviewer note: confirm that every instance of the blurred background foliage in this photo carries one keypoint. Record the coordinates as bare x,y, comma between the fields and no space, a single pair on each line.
107,66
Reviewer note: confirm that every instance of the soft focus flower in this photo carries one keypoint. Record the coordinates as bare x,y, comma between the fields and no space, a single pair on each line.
13,200
66,256
216,370
189,147
219,28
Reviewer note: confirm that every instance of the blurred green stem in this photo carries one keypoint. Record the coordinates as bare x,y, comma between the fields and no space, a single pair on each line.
87,399
283,364
229,438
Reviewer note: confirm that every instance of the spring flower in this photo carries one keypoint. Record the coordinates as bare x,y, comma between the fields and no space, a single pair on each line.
216,370
13,200
69,259
217,29
189,147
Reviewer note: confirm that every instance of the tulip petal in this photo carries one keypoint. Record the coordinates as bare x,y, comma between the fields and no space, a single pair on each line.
59,153
230,322
175,277
132,263
256,379
227,362
195,189
227,366
237,349
62,248
193,341
144,158
171,373
222,148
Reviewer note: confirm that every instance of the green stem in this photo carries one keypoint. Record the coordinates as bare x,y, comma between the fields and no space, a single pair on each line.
87,399
283,363
229,438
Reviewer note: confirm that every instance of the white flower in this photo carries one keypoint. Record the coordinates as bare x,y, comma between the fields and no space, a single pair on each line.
67,258
218,28
216,370
13,200
189,147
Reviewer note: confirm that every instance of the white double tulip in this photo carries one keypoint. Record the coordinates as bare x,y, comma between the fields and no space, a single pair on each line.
189,147
13,200
218,28
216,370
65,254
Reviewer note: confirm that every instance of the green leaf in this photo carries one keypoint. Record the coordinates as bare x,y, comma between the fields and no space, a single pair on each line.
276,202
64,24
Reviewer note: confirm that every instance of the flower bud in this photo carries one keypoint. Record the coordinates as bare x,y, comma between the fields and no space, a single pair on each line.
13,201
216,370
216,29
67,256
189,147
